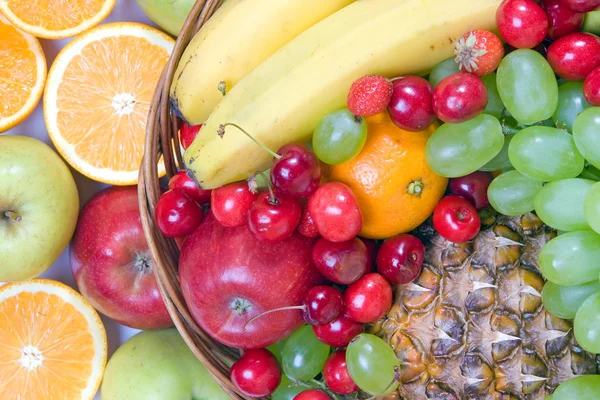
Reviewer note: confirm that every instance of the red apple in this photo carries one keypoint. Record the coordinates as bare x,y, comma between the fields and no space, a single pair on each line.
228,277
111,261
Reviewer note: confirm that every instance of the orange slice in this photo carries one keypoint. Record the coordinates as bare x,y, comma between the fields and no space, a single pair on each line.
56,19
98,95
22,74
52,342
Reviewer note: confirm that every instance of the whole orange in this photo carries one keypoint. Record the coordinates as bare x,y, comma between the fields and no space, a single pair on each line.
395,188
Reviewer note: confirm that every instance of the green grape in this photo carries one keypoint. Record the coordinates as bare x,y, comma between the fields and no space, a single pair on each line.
527,86
372,364
572,258
587,324
339,137
501,161
564,301
304,355
277,349
560,204
443,70
586,132
591,23
287,389
591,207
458,149
584,387
570,103
545,154
495,106
512,193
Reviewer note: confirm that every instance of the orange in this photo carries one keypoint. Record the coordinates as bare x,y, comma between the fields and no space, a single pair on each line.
395,188
22,74
56,19
98,95
52,343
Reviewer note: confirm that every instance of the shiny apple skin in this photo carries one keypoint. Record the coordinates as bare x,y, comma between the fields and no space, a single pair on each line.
223,268
111,262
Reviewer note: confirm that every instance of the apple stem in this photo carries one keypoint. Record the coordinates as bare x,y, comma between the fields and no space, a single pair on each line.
221,132
13,215
272,311
272,199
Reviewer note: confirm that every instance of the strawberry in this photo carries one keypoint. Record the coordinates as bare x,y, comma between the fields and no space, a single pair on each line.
187,134
478,52
369,95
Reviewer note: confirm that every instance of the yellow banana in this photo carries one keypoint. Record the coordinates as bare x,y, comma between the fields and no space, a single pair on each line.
241,35
284,98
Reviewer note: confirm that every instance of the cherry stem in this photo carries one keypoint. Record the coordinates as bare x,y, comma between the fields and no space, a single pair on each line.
273,199
392,383
13,215
265,148
272,311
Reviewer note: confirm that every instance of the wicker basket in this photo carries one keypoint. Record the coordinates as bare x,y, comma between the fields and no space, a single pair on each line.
162,133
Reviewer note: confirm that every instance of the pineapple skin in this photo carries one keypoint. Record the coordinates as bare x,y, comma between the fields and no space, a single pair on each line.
472,325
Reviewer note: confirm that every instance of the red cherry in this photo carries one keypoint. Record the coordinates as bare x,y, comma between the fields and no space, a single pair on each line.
591,87
369,95
411,104
574,56
456,219
312,394
335,210
182,181
478,52
230,204
257,373
274,218
522,23
561,20
322,305
297,172
400,258
177,215
472,187
336,375
459,97
307,226
581,6
372,250
187,134
368,299
341,262
339,332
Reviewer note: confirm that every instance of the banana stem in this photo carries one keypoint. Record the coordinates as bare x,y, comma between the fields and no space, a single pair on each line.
265,148
271,312
12,215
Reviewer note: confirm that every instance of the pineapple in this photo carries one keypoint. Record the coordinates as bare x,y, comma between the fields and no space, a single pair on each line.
472,325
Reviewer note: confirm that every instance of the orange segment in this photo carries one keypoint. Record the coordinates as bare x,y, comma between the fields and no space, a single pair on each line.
56,19
98,95
52,342
22,74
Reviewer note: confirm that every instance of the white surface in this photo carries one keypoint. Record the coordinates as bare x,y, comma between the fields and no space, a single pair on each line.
125,10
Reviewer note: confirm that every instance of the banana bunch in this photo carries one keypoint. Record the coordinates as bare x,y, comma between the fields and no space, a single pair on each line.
239,36
283,99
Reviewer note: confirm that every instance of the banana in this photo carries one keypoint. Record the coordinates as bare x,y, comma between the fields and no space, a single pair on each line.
241,35
283,99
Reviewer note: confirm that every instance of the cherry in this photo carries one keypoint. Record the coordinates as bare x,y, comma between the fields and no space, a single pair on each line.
400,258
368,299
230,203
459,97
307,226
341,262
187,134
339,332
456,219
473,187
177,215
182,181
581,6
273,218
372,250
312,394
257,373
411,104
561,20
574,56
522,23
336,375
335,210
591,87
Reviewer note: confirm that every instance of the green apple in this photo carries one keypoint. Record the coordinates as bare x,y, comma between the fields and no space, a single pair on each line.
168,14
39,205
158,365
